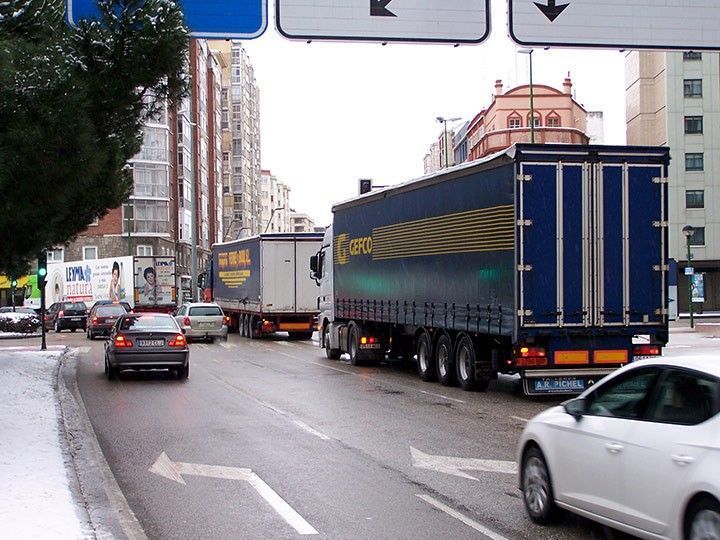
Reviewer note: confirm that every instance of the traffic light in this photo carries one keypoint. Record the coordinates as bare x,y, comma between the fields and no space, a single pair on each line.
365,185
13,283
42,270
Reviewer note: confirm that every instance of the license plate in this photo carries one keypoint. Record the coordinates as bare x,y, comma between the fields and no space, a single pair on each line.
207,325
550,385
75,319
151,342
370,346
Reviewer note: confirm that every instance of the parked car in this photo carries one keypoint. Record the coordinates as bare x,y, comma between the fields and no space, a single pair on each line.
147,341
102,318
202,320
63,315
639,452
128,307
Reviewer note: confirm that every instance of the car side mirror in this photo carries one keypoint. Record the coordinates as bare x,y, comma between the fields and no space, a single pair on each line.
183,331
314,264
576,408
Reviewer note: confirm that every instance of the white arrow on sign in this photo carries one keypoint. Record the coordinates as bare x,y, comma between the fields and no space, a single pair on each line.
456,465
173,470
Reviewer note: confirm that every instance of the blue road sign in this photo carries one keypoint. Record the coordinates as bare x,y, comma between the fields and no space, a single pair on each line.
211,19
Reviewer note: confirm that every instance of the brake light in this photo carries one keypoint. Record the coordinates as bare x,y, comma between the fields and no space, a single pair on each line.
226,320
122,341
94,320
186,321
530,357
177,341
647,350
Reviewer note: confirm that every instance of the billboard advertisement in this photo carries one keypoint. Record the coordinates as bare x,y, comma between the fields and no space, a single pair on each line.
154,280
89,281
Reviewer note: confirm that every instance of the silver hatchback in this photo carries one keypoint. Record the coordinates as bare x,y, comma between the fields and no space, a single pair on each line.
201,320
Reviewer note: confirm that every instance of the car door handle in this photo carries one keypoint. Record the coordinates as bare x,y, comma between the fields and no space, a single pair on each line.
682,460
614,448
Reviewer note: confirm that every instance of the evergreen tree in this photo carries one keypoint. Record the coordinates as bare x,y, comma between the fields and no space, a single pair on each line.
72,105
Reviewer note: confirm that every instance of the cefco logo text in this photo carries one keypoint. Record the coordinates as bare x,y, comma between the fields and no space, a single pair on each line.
346,247
361,246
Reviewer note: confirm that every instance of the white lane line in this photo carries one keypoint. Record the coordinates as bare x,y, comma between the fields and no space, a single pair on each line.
295,520
678,346
466,520
283,343
438,395
520,419
226,345
202,346
83,350
303,425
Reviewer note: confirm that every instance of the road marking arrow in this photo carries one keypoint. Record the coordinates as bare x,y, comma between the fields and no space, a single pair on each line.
173,470
551,11
455,465
378,8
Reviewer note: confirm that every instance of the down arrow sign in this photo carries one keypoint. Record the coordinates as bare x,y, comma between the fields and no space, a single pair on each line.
378,8
551,11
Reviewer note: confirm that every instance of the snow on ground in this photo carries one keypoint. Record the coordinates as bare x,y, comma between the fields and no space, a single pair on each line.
35,499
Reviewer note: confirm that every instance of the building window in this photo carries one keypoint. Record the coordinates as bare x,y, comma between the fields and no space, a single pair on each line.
151,180
694,162
695,198
552,121
698,237
692,88
514,123
151,217
55,255
537,122
90,252
692,55
144,251
693,124
154,146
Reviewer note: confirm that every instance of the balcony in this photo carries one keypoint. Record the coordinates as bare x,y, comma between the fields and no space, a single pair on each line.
496,141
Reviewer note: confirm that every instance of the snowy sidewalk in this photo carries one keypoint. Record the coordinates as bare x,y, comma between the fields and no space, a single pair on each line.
36,500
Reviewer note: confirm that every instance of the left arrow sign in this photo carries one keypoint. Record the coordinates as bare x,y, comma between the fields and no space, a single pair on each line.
174,470
378,8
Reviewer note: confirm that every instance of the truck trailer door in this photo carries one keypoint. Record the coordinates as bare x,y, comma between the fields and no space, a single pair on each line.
629,236
554,244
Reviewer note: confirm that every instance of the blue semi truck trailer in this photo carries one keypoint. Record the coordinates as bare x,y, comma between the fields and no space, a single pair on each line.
547,261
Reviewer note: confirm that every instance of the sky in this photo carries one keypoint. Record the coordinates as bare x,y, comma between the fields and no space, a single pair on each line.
334,112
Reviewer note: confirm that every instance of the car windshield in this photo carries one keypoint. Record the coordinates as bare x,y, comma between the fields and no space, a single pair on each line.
204,311
160,322
110,311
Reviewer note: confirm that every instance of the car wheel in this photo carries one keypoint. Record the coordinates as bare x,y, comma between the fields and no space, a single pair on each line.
332,354
425,366
109,370
445,361
354,346
57,327
703,520
184,372
537,488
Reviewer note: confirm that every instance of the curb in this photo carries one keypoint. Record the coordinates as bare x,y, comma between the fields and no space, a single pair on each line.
107,511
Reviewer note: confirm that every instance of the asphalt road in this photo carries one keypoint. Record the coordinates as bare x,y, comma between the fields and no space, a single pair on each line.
296,444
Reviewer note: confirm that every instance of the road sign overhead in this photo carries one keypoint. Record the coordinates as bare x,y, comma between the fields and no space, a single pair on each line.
212,19
637,24
444,21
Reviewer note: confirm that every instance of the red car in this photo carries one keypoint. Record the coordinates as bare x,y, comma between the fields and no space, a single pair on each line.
102,318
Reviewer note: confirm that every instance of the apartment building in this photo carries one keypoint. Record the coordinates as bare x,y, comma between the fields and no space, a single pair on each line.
275,203
673,99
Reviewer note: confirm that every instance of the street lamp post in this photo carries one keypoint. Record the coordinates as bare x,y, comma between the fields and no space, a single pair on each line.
688,231
272,215
444,121
532,105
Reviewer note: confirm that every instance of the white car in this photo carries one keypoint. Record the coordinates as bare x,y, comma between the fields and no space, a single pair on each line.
639,452
202,320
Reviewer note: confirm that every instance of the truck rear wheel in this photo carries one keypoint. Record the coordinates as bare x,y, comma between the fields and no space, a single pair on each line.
465,361
252,328
445,361
243,326
354,346
425,365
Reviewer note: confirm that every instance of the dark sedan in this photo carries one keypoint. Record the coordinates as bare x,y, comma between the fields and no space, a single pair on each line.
102,318
147,341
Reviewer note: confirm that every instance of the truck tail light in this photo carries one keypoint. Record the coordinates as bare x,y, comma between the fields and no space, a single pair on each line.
530,356
178,341
122,342
186,321
647,350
